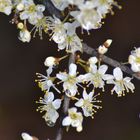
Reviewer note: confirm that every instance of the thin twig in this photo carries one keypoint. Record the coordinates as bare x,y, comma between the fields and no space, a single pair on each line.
110,61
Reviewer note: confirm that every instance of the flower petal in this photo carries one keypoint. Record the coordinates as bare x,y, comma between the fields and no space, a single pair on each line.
118,74
85,95
57,103
72,69
49,97
62,76
102,69
66,121
79,103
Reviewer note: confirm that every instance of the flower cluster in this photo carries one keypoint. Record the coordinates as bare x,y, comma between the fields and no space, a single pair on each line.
76,87
87,14
79,88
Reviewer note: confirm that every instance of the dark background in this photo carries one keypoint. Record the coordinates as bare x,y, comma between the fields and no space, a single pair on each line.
119,118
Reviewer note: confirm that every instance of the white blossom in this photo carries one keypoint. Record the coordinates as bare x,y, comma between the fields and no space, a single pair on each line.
50,106
134,60
32,12
69,80
97,76
120,84
58,30
88,103
72,42
74,119
88,17
46,82
6,6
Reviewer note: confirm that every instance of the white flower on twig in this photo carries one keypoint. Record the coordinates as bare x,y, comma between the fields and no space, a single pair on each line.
74,119
58,30
88,103
121,84
97,76
50,106
46,82
32,12
72,42
6,6
69,80
88,17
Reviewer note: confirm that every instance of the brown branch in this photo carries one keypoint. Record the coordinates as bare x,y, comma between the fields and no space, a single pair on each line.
65,108
110,61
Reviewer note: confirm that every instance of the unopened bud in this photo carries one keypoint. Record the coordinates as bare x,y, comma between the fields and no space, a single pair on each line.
20,25
102,49
26,136
107,43
93,60
50,61
79,128
25,35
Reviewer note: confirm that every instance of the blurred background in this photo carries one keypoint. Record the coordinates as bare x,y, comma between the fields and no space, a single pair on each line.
119,118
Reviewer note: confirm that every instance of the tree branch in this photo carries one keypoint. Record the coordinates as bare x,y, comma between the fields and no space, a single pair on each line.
110,61
65,108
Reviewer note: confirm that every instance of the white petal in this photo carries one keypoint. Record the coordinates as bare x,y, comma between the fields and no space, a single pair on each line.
72,69
108,77
117,72
90,95
57,103
131,59
49,97
93,68
62,76
135,67
54,116
40,8
93,60
73,109
75,123
102,69
79,103
85,95
66,121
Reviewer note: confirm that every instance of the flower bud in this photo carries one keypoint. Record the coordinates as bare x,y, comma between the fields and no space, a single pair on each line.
107,43
102,49
26,136
93,60
24,35
79,128
20,25
50,61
